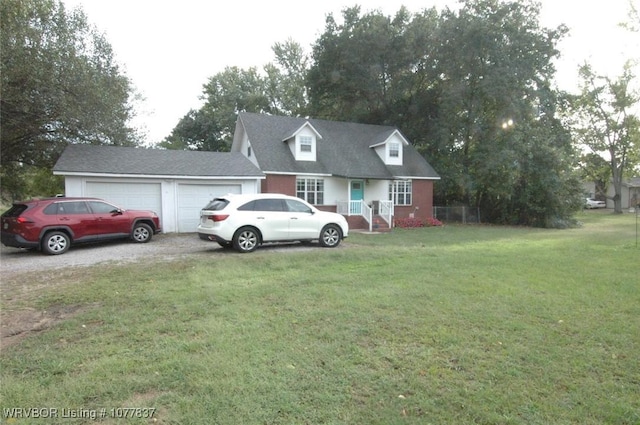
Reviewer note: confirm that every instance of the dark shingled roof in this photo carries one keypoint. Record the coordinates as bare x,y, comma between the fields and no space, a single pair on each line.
344,149
138,161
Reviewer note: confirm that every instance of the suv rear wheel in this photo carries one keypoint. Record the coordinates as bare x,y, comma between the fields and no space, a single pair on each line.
56,242
246,239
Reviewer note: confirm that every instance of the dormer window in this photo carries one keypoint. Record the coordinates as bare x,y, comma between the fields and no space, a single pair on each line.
390,150
306,144
394,150
303,142
303,146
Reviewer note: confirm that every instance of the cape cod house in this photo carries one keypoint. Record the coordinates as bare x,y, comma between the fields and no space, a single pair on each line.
369,173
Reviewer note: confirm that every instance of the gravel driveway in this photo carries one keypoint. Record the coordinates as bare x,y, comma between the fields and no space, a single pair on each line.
170,246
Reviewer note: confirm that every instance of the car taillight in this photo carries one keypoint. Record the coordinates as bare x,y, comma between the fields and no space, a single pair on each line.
219,217
23,220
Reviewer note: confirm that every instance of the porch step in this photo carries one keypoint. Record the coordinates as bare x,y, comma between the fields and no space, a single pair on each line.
359,223
379,225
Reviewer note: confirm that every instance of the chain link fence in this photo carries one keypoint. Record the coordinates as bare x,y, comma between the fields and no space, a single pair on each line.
464,215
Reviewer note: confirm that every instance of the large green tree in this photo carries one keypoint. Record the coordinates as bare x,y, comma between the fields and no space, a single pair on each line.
285,79
472,88
605,123
374,68
211,127
497,114
278,90
60,84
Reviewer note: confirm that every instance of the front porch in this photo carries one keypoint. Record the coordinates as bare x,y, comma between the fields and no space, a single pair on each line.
370,207
377,216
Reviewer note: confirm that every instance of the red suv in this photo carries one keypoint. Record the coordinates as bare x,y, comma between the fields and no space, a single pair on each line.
53,224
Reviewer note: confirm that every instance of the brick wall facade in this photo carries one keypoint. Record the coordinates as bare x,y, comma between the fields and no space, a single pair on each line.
422,199
275,183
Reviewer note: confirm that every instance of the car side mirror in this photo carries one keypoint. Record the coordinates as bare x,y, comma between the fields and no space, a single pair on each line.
117,211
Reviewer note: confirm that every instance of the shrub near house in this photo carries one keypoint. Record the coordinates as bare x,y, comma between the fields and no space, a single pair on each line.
417,222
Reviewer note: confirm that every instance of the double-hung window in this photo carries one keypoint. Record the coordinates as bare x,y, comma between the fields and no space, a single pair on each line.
394,150
306,143
400,192
311,190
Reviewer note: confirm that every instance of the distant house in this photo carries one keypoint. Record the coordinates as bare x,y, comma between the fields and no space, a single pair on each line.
629,196
369,173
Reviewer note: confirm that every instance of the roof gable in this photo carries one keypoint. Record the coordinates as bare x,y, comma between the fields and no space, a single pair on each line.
395,133
302,127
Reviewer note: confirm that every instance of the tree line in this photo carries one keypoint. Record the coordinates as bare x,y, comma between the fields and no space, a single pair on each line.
473,89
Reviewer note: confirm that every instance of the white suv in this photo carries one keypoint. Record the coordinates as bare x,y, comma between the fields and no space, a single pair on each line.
246,221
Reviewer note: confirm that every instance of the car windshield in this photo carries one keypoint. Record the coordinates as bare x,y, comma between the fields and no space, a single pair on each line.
216,205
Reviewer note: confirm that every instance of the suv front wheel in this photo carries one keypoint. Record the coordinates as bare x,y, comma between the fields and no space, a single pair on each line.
141,233
330,236
56,242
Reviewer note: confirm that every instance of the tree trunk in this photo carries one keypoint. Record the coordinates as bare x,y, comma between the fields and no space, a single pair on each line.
617,191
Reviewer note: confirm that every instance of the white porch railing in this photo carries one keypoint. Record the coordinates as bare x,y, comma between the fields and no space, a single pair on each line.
385,210
360,208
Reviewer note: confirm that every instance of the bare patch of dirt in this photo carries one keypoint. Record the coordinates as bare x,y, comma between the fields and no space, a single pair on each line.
16,325
26,273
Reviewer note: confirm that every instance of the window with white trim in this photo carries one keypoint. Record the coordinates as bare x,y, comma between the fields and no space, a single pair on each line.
394,150
306,143
311,190
400,192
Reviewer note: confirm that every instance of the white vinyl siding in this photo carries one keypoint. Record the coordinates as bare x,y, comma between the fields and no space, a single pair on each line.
303,145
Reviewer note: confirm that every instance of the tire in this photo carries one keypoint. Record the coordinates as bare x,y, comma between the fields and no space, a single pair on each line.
330,236
141,233
246,239
56,243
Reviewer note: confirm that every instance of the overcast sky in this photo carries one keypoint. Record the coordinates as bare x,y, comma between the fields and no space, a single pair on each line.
169,49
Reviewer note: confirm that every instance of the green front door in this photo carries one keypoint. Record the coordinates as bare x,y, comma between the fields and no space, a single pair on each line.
357,194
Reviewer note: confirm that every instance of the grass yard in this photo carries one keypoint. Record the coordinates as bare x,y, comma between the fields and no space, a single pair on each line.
452,325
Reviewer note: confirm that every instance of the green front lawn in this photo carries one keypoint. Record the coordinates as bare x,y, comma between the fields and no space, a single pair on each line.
451,325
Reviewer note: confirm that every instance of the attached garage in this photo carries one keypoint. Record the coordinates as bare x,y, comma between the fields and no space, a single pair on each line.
175,184
132,195
193,197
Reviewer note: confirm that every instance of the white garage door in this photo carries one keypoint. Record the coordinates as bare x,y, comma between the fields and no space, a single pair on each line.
193,197
135,196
